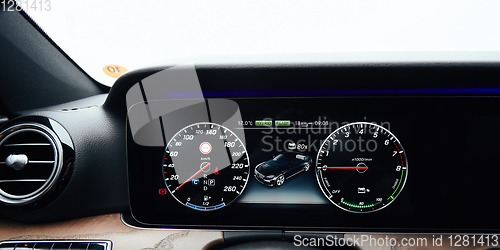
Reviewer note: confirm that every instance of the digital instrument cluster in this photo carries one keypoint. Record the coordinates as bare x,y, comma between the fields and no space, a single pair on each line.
360,167
303,163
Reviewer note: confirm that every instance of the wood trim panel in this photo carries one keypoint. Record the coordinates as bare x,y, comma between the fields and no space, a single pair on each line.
109,227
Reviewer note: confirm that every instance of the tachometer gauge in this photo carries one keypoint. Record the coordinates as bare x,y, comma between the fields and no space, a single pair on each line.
205,166
361,167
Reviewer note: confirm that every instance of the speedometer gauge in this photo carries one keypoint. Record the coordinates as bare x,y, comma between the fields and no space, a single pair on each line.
205,166
361,167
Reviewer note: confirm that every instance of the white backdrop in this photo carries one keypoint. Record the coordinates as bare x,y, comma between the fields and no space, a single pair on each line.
97,33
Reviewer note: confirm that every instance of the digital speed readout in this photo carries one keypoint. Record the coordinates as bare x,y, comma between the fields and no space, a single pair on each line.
205,166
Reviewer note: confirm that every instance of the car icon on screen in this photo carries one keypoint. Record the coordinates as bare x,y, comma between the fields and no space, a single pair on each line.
274,172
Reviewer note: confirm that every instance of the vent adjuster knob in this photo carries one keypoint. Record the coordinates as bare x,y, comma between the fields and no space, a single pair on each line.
17,162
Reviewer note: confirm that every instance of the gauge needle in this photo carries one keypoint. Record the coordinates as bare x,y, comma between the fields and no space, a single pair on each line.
192,176
344,167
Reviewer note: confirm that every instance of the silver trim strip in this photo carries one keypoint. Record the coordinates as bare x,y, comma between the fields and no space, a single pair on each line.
107,243
302,170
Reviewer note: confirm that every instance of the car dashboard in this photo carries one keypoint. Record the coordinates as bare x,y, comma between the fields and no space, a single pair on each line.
233,153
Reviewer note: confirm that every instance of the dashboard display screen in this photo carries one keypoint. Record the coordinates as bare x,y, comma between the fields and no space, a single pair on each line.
354,163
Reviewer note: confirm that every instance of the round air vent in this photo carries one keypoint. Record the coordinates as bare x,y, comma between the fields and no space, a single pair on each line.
30,162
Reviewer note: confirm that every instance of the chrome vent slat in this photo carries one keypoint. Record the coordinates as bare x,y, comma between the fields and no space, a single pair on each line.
25,180
41,162
27,144
37,162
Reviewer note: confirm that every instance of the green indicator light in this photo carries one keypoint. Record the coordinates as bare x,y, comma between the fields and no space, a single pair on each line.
263,123
357,206
282,123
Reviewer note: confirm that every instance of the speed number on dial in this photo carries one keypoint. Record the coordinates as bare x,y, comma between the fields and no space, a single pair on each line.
205,166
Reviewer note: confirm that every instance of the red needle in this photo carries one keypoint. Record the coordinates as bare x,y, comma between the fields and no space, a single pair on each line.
192,176
344,167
